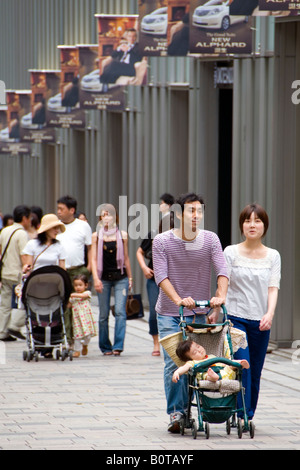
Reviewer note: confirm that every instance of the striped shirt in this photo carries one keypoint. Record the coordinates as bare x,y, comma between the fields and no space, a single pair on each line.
188,266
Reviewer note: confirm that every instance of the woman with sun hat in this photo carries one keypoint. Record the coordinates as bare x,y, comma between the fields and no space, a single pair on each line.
45,250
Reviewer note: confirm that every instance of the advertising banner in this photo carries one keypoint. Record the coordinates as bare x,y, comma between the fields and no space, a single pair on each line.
243,7
280,5
10,123
121,62
178,27
63,107
153,21
34,127
213,30
91,95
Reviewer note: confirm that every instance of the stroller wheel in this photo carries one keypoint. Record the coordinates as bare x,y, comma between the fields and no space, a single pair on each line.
36,356
64,355
252,429
71,355
207,430
57,354
25,354
228,426
181,426
240,428
194,430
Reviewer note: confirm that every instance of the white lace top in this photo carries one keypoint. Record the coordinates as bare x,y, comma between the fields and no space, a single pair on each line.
249,280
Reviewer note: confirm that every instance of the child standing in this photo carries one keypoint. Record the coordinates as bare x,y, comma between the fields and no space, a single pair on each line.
83,321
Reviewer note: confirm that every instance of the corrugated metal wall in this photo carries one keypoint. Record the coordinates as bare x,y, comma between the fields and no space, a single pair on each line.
266,153
166,140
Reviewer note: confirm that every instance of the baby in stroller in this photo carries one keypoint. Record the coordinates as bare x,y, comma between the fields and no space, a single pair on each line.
193,353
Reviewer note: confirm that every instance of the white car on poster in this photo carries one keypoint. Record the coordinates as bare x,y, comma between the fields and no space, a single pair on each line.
156,22
91,81
4,135
215,14
26,122
54,104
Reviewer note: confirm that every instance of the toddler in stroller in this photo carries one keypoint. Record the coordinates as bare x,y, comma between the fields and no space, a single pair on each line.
44,295
213,393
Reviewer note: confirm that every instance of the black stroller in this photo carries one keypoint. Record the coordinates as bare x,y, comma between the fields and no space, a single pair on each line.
45,294
216,402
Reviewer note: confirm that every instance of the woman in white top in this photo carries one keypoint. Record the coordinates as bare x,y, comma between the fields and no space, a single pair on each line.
45,250
254,281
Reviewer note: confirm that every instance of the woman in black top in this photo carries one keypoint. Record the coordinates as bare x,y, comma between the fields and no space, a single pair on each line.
111,270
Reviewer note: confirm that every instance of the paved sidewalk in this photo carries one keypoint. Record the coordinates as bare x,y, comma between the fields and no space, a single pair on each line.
117,403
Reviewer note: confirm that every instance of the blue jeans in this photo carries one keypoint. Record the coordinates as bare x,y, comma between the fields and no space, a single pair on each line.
176,393
120,293
153,291
255,354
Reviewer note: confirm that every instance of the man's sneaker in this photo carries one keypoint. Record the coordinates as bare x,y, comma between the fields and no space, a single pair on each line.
174,425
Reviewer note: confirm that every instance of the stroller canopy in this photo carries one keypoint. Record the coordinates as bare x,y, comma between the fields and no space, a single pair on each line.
46,285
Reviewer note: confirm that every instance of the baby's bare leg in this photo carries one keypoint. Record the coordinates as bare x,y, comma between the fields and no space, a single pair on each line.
212,376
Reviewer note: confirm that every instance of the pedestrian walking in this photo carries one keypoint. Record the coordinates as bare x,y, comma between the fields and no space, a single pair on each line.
183,259
45,249
254,281
111,271
13,239
83,321
76,237
145,260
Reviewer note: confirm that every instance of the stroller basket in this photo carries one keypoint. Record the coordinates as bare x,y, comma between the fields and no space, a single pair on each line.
217,410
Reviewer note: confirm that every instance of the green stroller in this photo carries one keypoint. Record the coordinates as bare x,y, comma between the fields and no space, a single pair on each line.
216,402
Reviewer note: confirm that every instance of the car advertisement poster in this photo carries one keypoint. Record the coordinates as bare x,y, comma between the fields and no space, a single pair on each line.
33,125
214,31
178,34
11,115
243,7
63,107
91,95
120,60
280,5
153,21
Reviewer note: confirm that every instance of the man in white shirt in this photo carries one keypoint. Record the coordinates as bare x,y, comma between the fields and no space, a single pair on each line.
77,237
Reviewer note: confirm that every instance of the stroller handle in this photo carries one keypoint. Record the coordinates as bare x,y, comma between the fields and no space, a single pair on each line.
202,304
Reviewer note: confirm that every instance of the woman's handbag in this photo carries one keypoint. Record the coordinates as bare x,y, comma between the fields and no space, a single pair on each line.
134,306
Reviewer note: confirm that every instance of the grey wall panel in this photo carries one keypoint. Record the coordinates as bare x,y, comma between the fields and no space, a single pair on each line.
286,175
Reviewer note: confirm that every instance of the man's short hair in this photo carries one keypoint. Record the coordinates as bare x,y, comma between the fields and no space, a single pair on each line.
20,212
189,197
69,201
167,198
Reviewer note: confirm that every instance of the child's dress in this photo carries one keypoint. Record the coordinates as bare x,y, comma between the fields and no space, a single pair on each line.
83,320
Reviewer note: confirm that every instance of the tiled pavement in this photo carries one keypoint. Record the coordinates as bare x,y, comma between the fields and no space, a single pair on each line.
117,403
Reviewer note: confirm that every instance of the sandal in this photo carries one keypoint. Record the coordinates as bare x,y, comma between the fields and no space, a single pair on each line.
116,353
107,353
156,353
84,351
76,354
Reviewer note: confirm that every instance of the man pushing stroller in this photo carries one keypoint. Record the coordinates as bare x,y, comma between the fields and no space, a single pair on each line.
182,259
